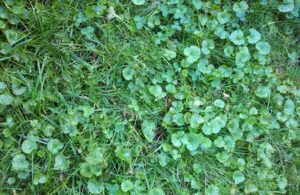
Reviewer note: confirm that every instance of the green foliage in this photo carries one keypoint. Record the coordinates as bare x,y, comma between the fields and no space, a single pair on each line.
54,145
95,188
138,2
28,146
148,128
237,37
19,163
263,47
6,99
126,185
128,73
192,53
149,97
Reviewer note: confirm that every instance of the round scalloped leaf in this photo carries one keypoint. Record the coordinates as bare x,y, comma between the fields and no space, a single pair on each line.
192,141
128,73
212,190
238,177
138,2
223,17
286,6
219,142
263,91
156,191
241,6
148,128
207,45
28,146
95,188
54,145
254,36
157,91
219,103
61,162
237,37
126,185
282,183
19,163
192,53
196,120
11,36
176,138
95,156
6,99
263,47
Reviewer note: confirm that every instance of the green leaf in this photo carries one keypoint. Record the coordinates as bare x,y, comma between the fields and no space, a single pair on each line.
28,146
19,163
197,168
223,17
54,145
286,6
95,156
138,2
178,119
5,48
219,103
263,47
211,127
6,99
18,90
229,143
124,153
128,73
205,142
95,188
192,141
157,91
148,128
169,54
282,182
263,91
156,191
11,180
219,142
212,190
89,12
238,177
176,138
237,37
207,46
2,25
87,111
39,178
192,53
79,18
11,36
88,170
88,32
289,107
61,162
126,185
241,6
254,36
250,188
196,120
198,4
163,159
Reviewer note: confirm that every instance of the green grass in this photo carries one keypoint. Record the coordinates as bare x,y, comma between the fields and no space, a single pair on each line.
64,80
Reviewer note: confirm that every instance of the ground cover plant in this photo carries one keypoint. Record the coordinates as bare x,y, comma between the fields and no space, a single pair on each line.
149,97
